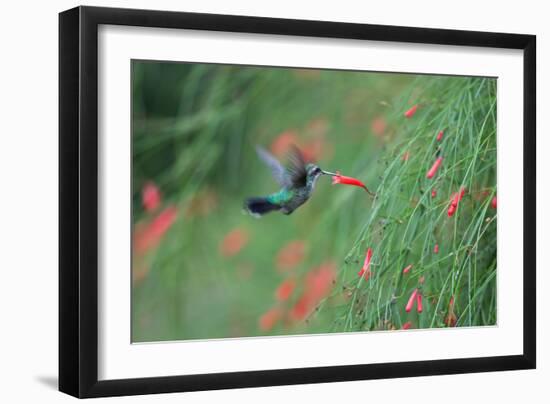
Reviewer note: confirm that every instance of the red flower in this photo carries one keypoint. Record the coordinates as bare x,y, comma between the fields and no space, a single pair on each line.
378,126
406,156
148,236
318,284
150,196
419,302
434,167
440,136
301,309
319,281
233,242
411,301
365,271
436,248
407,269
342,179
454,201
494,202
411,111
291,255
269,319
407,325
284,142
434,193
285,289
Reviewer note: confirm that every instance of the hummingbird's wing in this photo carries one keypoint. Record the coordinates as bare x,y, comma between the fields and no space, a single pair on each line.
296,170
278,171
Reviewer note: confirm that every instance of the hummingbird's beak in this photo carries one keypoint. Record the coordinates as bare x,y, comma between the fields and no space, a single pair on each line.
328,173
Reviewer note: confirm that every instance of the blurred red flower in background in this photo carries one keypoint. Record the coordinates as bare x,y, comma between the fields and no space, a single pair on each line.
150,196
439,136
148,235
436,248
285,289
320,280
407,268
291,255
494,202
283,142
378,126
233,242
301,309
318,284
269,319
312,143
317,148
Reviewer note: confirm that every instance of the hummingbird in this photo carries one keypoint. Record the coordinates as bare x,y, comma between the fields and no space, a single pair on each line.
297,182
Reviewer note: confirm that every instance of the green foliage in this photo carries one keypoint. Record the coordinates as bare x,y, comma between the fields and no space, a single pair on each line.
194,131
406,222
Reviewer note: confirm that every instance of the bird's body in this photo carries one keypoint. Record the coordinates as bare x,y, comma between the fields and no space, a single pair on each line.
297,181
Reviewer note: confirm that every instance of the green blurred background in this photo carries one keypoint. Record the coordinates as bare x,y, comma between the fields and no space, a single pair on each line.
203,269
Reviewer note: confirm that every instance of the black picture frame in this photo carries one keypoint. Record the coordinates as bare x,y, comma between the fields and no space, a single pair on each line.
78,200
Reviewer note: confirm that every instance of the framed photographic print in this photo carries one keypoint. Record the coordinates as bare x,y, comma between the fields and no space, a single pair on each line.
251,201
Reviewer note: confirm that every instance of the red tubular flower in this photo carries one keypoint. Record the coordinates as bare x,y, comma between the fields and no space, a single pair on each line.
454,201
434,167
411,301
365,271
407,268
440,136
407,325
342,179
436,248
285,289
419,302
434,193
318,284
494,203
150,196
406,156
411,111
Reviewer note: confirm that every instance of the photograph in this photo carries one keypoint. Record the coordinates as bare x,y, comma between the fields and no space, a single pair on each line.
276,201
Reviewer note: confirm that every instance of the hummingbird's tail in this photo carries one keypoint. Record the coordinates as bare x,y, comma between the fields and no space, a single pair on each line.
259,206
